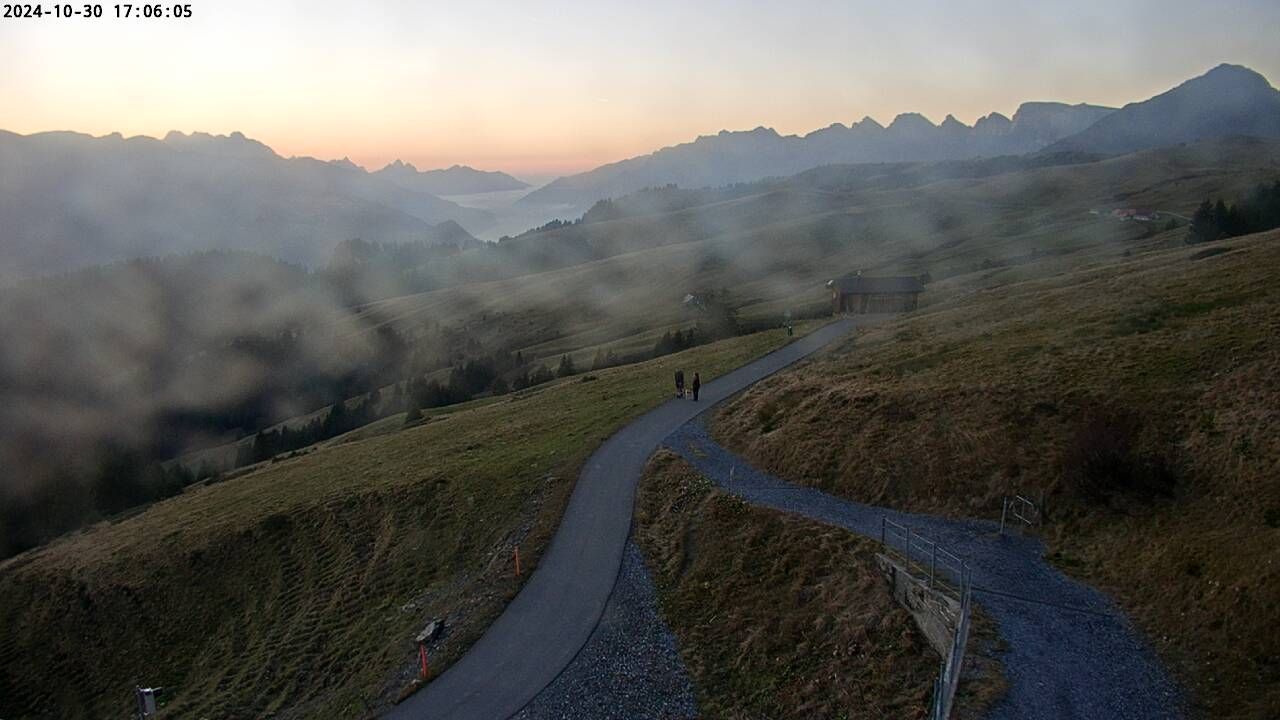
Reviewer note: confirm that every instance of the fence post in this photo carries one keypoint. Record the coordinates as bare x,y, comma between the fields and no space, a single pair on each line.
883,520
933,563
1004,509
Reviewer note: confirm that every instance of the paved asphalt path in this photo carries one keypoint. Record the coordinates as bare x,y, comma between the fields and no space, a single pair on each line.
552,617
1070,654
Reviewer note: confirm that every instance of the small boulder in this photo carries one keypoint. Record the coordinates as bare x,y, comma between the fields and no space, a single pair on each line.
431,631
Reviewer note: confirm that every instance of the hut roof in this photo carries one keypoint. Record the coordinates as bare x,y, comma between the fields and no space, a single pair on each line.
854,284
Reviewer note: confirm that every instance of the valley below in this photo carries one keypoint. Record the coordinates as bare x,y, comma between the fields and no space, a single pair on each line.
256,444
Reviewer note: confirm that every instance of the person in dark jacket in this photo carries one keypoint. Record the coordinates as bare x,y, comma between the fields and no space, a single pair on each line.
697,385
679,383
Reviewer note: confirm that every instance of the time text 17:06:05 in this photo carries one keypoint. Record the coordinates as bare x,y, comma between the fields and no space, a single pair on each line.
68,10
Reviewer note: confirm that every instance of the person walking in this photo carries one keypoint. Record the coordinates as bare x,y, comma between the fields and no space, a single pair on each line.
697,385
679,383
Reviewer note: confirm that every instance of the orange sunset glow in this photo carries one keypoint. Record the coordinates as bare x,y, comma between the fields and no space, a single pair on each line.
553,88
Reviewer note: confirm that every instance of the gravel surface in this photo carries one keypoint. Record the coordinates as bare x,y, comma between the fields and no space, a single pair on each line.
544,628
630,668
1070,652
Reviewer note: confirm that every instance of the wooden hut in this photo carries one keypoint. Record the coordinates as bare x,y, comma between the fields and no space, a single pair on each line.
860,294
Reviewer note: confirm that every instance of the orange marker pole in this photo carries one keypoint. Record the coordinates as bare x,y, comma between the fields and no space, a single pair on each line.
422,658
517,561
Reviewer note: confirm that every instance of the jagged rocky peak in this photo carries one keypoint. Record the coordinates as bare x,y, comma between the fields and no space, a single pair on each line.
760,131
233,145
993,124
866,123
951,123
346,163
911,122
1060,116
399,165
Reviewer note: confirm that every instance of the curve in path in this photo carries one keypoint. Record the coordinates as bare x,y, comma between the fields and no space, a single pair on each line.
552,617
1070,653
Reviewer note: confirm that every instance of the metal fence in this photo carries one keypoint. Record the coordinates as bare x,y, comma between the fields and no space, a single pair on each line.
943,570
947,574
1020,510
944,688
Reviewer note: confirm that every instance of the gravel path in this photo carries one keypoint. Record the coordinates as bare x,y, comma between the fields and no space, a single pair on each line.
542,630
630,669
1070,651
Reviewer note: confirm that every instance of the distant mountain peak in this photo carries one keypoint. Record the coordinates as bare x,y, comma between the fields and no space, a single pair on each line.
454,180
345,162
992,124
911,121
758,131
1227,100
233,145
399,165
1238,74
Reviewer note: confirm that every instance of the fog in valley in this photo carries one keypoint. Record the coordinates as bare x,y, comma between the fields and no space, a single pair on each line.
570,360
284,286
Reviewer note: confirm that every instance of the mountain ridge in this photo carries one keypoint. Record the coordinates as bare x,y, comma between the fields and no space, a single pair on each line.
72,200
453,180
1227,100
909,137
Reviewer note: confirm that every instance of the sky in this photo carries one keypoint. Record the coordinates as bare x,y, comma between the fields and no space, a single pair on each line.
552,87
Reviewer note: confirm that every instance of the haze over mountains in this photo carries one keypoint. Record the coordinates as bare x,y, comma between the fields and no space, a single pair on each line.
455,180
1228,100
68,200
730,157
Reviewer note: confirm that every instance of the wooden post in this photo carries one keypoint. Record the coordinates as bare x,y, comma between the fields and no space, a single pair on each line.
424,669
517,554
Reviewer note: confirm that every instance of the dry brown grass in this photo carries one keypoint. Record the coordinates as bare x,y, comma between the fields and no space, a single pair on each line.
946,410
296,590
776,616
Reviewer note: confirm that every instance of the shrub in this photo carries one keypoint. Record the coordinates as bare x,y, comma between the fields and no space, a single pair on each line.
541,374
566,367
1104,459
1271,517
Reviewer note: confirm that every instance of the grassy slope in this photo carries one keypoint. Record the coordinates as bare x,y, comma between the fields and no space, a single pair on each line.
777,617
781,246
774,250
335,533
299,587
982,393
